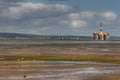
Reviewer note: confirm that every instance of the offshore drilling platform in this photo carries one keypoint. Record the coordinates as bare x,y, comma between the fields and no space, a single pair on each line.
100,35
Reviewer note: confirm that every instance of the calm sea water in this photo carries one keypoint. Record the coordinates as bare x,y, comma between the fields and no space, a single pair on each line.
53,41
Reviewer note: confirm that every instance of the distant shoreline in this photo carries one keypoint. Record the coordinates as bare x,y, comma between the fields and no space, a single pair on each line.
55,42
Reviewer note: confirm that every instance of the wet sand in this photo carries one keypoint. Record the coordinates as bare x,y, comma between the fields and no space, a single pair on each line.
60,61
57,70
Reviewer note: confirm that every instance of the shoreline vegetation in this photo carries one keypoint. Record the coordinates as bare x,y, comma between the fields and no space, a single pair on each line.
106,58
83,52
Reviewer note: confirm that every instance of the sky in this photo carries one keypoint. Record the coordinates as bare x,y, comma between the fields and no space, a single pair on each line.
60,17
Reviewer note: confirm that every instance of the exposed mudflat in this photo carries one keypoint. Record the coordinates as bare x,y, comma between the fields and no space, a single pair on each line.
59,61
56,70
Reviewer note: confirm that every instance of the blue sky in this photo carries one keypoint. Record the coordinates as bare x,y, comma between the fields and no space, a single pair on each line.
60,17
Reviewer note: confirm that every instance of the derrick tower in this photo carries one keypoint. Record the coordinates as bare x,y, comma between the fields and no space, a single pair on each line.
100,35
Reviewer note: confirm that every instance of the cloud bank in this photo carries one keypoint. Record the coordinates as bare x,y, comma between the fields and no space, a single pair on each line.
53,19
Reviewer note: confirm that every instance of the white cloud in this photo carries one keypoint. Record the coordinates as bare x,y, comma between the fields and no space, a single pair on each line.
87,14
35,10
73,16
82,15
73,23
109,15
10,1
78,23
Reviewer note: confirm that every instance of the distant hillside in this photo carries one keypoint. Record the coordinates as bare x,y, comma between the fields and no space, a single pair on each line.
42,37
47,37
17,35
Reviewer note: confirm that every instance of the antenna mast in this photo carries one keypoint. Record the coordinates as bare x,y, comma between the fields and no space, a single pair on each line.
100,26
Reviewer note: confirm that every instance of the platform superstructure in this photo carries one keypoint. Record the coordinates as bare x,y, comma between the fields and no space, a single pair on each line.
100,35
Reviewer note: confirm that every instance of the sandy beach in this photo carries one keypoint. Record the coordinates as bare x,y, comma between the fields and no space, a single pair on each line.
58,70
60,61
